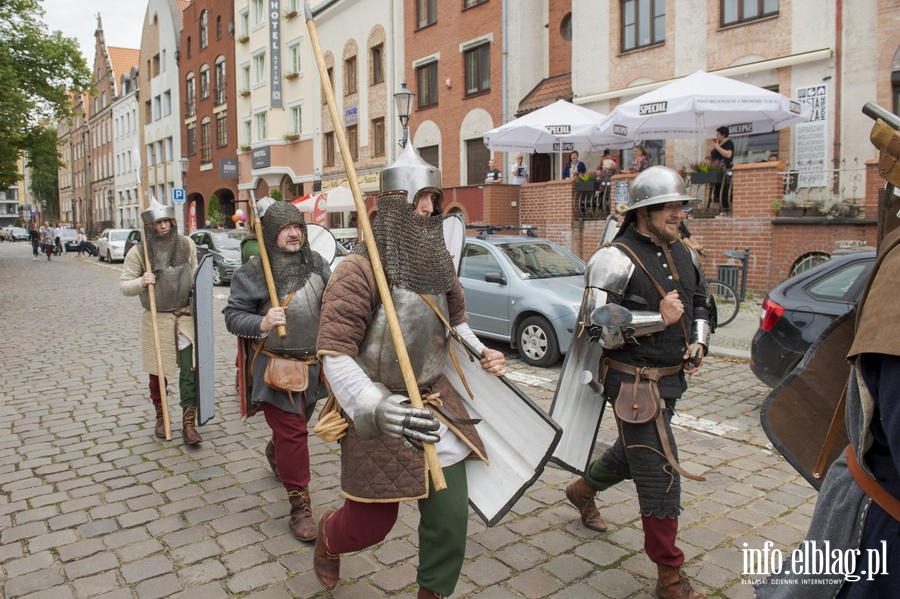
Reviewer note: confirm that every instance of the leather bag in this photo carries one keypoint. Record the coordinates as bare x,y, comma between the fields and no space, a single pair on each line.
285,374
331,425
638,402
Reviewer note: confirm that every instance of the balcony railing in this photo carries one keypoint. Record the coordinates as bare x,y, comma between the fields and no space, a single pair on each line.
811,182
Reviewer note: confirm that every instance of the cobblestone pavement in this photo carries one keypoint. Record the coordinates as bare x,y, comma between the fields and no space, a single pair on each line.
92,505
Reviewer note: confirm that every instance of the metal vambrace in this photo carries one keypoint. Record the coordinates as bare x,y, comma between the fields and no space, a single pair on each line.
380,412
614,326
700,333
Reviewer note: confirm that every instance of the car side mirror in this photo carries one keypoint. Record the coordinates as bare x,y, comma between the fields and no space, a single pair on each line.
495,277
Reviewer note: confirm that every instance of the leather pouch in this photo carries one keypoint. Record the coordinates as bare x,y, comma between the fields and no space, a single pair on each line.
283,374
638,402
331,425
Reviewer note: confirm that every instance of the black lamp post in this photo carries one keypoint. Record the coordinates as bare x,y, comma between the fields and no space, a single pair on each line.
404,99
184,163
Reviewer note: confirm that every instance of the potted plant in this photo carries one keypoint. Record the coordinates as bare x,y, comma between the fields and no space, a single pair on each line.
243,39
831,207
707,171
587,183
290,136
288,15
244,93
790,205
290,76
244,148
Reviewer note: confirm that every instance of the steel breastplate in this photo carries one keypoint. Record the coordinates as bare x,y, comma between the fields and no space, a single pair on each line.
172,288
423,332
302,313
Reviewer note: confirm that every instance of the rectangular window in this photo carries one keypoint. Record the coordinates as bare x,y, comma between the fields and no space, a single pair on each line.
426,13
259,11
741,11
259,68
353,141
294,58
157,103
220,83
329,149
426,82
190,100
261,132
350,76
247,132
222,129
378,136
245,23
478,69
167,103
151,155
204,84
297,120
205,143
477,156
643,23
245,78
204,24
377,64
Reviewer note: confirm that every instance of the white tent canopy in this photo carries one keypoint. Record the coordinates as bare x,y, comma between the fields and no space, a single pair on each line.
338,199
559,127
693,107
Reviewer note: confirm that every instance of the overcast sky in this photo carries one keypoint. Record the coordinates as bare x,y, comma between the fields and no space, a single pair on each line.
122,22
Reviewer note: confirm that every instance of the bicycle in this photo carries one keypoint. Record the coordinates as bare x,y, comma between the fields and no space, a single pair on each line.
724,301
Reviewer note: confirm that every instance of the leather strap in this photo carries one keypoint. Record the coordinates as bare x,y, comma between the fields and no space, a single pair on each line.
837,422
872,488
462,377
647,373
667,450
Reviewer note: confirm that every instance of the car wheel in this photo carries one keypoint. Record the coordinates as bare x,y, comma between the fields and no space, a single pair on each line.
216,275
109,256
99,256
537,342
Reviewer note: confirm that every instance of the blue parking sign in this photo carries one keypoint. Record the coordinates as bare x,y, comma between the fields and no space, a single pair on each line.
178,195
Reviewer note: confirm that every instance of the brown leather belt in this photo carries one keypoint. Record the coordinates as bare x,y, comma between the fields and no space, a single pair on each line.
872,487
653,375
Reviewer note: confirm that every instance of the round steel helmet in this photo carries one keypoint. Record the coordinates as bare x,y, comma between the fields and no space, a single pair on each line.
157,212
658,185
411,174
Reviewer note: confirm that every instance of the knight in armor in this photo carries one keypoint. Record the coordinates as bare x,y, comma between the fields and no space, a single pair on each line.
649,313
173,259
381,460
300,275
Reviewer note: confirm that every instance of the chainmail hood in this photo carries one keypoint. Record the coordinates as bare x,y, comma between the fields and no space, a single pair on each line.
165,250
290,271
412,248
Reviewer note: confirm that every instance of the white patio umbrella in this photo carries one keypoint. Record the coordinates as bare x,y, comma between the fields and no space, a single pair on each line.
693,107
338,199
557,128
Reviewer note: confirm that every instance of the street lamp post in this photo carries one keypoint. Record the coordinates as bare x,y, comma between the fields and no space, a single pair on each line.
403,99
184,163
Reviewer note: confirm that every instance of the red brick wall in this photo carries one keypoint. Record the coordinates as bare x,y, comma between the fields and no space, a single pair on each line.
560,51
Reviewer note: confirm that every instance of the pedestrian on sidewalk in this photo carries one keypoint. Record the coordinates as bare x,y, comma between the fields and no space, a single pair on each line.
300,275
34,236
48,237
380,463
173,259
80,239
652,321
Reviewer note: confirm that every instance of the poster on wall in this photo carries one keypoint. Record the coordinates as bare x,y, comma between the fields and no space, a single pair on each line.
811,138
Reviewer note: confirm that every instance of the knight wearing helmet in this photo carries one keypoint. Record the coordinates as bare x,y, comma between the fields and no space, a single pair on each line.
381,459
173,259
646,303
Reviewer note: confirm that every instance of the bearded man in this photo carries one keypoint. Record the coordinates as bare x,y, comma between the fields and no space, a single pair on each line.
173,259
381,464
650,293
300,275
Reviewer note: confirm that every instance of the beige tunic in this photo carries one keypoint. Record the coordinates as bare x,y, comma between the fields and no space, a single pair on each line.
130,285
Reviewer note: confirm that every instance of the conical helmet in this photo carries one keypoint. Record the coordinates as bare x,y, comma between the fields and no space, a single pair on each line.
412,174
157,212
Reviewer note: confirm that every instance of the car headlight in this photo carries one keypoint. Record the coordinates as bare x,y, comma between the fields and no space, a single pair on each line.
231,261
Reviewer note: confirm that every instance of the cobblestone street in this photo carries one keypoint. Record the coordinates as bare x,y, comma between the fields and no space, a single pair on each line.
93,505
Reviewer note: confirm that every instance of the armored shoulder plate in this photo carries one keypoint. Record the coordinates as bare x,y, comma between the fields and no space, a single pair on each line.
609,269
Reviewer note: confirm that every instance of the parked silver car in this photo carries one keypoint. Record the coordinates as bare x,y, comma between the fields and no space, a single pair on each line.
524,290
14,233
111,244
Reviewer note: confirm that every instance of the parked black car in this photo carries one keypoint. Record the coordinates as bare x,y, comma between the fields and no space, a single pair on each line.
796,312
225,247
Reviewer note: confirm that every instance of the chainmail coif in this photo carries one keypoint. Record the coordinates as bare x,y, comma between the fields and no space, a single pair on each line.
166,250
290,271
412,248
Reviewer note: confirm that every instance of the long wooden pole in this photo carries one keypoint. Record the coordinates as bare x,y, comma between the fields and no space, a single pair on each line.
412,388
264,256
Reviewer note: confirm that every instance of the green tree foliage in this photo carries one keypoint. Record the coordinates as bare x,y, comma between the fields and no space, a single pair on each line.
38,70
214,210
43,159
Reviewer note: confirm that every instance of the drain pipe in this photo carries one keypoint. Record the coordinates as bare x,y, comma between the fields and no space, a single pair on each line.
838,62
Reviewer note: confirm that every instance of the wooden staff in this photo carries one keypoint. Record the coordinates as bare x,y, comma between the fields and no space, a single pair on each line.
155,322
264,256
412,387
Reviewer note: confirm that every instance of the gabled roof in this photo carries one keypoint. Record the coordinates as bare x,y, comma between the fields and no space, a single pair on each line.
122,59
546,93
182,4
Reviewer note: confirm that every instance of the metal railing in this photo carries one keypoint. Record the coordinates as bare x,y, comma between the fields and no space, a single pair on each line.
813,181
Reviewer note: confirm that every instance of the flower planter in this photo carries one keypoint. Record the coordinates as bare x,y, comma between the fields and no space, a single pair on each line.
290,15
792,212
587,186
290,76
700,178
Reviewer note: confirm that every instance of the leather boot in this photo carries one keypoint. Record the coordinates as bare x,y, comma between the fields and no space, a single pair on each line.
270,455
581,495
302,525
674,584
426,594
326,564
188,428
160,430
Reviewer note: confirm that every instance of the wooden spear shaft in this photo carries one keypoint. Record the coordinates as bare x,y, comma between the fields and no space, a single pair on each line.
264,256
412,387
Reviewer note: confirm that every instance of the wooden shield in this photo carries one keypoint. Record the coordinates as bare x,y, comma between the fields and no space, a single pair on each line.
797,414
